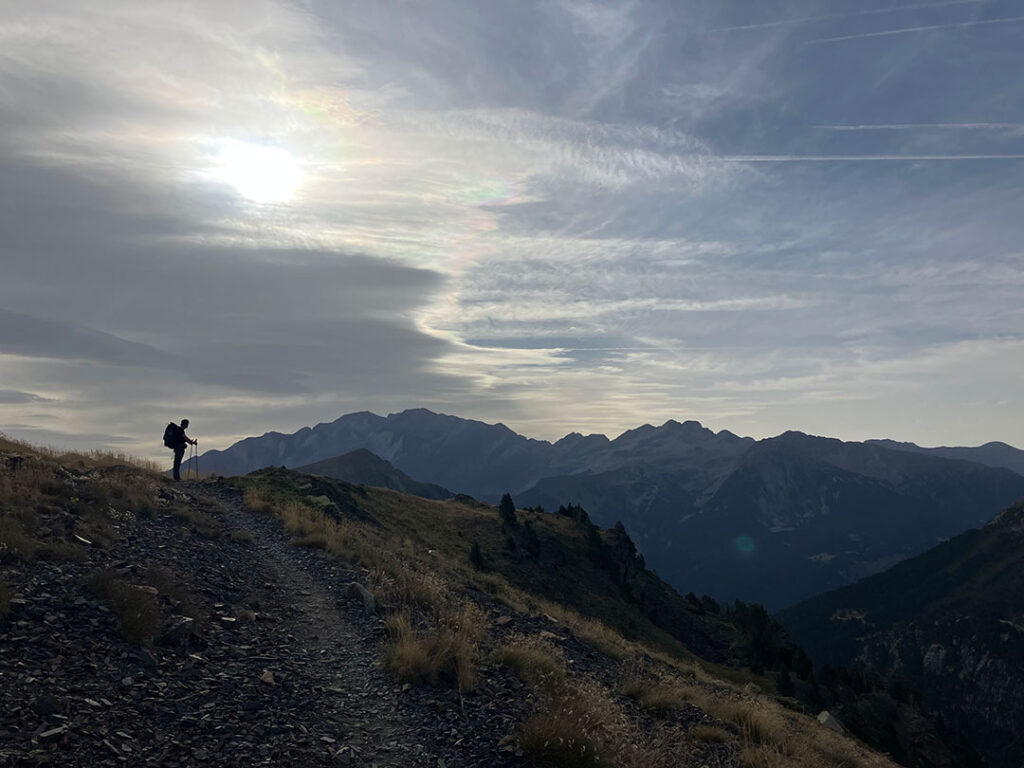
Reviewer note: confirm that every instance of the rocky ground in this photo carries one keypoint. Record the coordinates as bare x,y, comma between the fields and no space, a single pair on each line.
280,666
283,670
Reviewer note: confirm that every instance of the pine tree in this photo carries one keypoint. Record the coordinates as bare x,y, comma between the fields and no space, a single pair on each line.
507,511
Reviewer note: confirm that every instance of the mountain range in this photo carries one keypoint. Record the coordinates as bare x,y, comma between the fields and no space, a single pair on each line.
362,466
773,521
949,621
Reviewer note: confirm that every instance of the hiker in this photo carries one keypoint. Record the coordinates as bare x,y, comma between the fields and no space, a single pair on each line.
176,439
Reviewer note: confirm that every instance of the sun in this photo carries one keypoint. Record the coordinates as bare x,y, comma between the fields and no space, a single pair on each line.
261,173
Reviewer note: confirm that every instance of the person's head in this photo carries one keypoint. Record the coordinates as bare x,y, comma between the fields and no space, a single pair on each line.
184,423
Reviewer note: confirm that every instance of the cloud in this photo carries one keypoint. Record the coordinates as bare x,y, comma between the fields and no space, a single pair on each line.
558,215
14,397
851,14
924,28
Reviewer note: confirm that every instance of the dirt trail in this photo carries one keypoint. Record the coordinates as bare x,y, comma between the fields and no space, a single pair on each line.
284,672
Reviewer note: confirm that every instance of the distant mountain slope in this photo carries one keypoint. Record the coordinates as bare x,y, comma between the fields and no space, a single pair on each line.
772,521
994,454
362,466
950,620
795,516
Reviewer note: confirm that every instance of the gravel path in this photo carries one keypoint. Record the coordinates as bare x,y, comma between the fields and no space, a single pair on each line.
284,672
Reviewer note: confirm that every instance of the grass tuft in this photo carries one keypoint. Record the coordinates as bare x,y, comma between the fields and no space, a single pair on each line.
241,536
532,660
710,734
138,614
433,655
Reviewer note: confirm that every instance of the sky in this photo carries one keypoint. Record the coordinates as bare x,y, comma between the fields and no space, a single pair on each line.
555,214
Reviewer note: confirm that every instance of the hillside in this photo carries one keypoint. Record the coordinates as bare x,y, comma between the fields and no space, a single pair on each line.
950,621
792,516
993,454
362,466
288,619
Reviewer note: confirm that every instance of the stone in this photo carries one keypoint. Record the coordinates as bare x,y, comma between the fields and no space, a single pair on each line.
545,635
53,733
268,677
178,633
357,591
829,720
501,621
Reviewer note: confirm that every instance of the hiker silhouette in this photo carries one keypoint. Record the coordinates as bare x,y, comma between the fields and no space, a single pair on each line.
176,439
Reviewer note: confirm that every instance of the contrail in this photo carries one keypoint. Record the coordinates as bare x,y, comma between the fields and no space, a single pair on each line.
915,29
856,158
833,16
908,126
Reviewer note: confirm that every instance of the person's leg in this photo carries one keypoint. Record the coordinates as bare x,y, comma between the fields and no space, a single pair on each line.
179,452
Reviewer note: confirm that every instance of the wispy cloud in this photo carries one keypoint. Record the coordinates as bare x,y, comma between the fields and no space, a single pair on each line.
852,14
909,30
859,158
915,126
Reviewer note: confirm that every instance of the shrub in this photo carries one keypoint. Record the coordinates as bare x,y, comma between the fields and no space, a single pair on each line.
15,545
476,557
138,614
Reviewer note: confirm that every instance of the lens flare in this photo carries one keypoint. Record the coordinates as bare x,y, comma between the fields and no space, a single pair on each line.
745,545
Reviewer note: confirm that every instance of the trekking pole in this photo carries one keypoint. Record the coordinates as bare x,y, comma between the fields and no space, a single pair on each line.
196,449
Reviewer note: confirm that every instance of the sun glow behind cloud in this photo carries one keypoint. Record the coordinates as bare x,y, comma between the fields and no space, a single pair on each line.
260,173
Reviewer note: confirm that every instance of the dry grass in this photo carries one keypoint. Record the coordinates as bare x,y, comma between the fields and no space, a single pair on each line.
95,458
203,523
257,499
436,654
711,734
662,700
241,536
579,726
138,614
535,662
315,528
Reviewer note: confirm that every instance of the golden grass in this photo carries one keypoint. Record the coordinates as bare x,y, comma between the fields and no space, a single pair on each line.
79,459
445,653
535,662
579,726
138,614
257,499
662,700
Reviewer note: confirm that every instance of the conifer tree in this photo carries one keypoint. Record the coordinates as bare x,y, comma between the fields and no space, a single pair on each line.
507,511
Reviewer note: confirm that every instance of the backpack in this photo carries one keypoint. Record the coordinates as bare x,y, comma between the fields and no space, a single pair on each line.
170,432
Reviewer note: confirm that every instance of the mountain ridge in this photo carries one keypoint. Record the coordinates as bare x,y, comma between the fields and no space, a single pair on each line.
950,621
791,515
